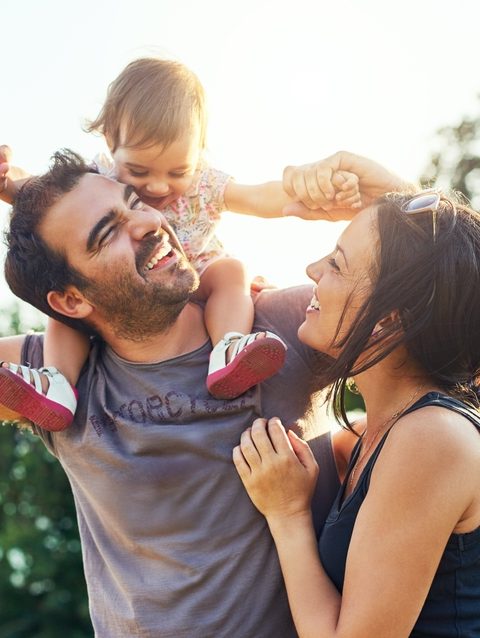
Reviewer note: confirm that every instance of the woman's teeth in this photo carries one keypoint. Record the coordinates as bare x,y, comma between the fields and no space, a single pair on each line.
314,304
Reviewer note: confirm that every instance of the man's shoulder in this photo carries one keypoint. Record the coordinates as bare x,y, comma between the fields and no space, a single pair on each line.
295,298
32,350
281,308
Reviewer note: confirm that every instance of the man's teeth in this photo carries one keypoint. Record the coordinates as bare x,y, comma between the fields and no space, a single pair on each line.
162,252
314,304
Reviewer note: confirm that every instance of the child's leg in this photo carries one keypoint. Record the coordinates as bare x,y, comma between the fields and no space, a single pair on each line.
225,287
65,349
46,396
239,360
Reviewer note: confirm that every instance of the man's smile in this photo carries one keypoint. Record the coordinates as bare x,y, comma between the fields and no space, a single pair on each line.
161,256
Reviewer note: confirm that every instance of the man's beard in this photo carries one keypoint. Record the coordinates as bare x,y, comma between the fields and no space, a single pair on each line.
137,312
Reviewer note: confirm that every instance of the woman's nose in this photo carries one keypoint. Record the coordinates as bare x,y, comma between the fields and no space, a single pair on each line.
314,270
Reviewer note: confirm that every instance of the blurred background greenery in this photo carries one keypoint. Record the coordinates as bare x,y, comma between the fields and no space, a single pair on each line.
42,588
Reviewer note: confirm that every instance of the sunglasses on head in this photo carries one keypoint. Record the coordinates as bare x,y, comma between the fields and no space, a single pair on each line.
427,201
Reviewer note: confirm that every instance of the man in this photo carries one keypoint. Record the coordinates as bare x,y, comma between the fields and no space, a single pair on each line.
171,544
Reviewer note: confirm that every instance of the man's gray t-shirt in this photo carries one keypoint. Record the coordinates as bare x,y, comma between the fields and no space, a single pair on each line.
172,545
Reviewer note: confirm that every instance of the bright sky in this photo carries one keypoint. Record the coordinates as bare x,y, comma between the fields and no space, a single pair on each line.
287,82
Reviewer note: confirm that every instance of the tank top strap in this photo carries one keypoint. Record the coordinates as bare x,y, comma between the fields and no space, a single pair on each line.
431,398
444,401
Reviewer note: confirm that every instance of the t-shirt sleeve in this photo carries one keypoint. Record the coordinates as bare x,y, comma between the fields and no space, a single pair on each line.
32,355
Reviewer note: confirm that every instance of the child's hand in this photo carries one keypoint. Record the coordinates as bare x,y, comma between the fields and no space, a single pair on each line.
347,191
11,177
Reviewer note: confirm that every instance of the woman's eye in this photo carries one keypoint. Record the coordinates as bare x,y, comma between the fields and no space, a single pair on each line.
137,173
333,264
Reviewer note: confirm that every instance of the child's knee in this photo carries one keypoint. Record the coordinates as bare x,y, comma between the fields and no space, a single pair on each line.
226,272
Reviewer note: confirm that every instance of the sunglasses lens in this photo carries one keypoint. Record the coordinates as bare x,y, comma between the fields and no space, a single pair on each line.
422,202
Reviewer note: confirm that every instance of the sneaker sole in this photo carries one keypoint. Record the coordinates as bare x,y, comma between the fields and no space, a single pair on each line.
255,363
20,397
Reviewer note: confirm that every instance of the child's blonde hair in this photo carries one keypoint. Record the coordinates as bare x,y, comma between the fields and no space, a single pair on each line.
152,101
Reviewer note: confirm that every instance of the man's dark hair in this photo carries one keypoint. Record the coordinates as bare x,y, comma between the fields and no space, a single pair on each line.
33,269
431,281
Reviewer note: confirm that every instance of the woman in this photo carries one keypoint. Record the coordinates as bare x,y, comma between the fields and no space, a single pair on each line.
396,307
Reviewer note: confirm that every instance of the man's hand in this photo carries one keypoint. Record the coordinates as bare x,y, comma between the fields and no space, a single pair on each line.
11,177
328,184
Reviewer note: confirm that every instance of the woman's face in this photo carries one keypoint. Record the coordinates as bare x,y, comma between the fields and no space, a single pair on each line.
341,283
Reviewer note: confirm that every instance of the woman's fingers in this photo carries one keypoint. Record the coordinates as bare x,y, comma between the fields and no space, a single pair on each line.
303,452
248,448
241,464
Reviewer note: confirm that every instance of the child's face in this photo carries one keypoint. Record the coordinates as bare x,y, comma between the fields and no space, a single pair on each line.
160,175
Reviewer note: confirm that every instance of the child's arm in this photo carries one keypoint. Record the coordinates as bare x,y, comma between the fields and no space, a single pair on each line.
11,177
269,199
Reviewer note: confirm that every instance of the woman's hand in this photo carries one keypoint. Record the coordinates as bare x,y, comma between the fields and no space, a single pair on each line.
277,469
318,185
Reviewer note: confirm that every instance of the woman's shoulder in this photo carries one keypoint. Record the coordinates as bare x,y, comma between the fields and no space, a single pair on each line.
436,453
440,426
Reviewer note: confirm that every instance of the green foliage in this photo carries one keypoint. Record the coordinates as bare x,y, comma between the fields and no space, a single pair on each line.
455,163
42,588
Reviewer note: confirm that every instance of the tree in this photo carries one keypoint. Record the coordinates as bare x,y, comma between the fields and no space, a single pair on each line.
42,587
455,163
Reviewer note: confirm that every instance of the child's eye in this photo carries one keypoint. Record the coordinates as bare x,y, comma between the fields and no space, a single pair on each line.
137,173
179,174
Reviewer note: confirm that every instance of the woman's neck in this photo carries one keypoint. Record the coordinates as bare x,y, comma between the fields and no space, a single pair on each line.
389,388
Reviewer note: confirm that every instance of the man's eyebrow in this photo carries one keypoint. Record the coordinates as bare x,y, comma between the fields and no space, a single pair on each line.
106,219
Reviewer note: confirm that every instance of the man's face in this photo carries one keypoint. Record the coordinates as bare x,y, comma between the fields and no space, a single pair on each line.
139,279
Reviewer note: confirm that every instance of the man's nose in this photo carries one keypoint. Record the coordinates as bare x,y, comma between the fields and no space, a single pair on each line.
144,222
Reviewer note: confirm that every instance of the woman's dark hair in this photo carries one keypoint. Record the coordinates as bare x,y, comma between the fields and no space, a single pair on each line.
430,279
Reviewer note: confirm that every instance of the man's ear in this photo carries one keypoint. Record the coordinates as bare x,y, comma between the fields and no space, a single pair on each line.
70,303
